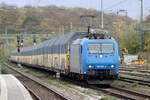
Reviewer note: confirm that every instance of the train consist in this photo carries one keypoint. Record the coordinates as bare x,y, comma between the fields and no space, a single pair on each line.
82,55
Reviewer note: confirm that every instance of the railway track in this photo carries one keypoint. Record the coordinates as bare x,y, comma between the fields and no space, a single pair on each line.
132,80
135,68
38,89
130,70
123,93
135,74
33,94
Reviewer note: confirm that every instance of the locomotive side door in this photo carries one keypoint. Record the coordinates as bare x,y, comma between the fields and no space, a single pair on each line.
75,58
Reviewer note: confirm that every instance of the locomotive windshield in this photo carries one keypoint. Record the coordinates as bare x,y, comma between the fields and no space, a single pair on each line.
94,48
100,48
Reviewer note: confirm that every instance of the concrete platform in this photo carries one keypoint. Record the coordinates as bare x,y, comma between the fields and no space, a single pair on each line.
12,89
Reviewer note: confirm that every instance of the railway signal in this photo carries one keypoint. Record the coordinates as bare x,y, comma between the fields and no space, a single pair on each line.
22,41
18,43
34,40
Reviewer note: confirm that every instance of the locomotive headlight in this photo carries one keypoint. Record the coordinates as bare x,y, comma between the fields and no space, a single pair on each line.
90,66
112,66
101,56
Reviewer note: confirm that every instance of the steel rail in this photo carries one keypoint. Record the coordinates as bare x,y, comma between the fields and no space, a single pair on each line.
131,92
132,80
135,74
113,93
33,94
123,93
40,83
143,71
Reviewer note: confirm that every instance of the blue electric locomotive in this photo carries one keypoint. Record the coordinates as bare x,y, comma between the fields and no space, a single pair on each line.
95,59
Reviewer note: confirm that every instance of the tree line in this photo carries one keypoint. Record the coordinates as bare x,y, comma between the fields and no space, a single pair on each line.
56,20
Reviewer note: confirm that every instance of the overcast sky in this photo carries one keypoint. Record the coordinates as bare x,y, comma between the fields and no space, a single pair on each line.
133,6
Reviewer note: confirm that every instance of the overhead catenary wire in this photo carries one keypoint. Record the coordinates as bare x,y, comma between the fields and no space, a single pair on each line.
117,4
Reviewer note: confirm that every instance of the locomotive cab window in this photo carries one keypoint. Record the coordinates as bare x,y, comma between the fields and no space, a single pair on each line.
107,48
96,48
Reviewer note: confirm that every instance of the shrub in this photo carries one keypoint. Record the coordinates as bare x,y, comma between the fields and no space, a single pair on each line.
135,85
